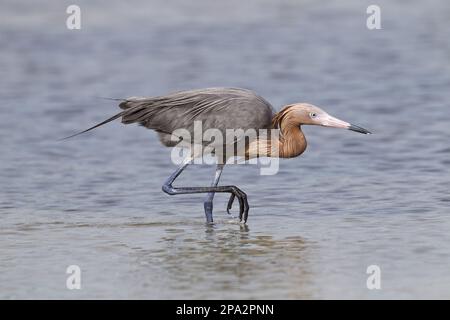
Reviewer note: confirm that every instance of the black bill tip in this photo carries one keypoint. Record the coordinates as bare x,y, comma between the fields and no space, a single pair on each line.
359,129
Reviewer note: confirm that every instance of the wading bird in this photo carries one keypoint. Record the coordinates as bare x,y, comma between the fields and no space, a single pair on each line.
222,109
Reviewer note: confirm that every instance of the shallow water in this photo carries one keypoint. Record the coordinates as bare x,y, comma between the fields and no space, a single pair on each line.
349,202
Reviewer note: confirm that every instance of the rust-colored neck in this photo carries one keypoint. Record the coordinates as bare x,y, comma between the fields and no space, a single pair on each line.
289,143
292,141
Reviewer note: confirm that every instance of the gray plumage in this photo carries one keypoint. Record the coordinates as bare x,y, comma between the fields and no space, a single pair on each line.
217,108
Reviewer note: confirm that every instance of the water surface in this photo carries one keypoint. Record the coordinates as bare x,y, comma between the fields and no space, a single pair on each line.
349,202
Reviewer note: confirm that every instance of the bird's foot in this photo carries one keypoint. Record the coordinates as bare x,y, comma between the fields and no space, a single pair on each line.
243,204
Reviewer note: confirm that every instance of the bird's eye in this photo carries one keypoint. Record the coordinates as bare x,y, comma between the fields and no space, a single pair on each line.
313,114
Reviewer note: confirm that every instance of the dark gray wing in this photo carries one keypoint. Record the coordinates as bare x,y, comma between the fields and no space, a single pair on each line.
217,108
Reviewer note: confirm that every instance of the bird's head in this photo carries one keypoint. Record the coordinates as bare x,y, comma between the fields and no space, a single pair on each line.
304,113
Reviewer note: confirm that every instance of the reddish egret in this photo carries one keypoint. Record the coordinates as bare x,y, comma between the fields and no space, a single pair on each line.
222,109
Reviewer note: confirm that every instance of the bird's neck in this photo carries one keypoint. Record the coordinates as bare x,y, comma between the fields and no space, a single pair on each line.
291,141
288,143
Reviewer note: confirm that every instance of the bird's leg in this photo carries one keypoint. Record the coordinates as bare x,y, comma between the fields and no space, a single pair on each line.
208,204
233,190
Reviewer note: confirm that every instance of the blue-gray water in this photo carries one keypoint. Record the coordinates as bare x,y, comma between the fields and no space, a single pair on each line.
349,202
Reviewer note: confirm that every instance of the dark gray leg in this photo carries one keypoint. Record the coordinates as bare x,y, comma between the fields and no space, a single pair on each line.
233,190
208,204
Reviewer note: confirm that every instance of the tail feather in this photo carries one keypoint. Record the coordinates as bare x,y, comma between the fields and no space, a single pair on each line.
96,126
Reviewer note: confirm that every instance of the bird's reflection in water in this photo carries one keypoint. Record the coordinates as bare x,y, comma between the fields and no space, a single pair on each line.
227,260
